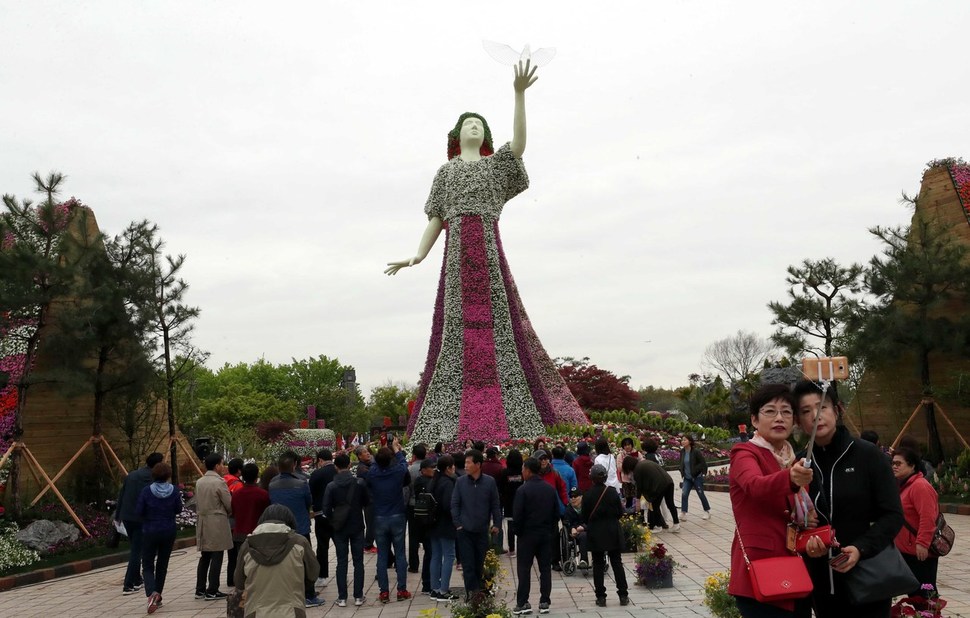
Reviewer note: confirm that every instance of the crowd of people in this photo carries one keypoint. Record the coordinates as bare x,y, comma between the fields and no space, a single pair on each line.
433,512
429,514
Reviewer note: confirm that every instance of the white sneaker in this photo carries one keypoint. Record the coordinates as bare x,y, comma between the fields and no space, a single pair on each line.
341,602
676,528
321,582
360,601
706,515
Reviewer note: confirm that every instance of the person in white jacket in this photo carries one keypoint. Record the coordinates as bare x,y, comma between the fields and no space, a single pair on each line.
605,458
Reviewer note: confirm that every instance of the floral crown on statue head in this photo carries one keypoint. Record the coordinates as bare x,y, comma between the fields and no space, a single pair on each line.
454,145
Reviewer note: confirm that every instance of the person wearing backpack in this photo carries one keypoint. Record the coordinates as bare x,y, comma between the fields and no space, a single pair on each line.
443,533
343,504
425,514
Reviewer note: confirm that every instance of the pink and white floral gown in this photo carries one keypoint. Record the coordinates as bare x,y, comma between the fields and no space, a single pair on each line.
487,376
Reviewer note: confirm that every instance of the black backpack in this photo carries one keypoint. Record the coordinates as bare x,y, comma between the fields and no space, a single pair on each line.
426,508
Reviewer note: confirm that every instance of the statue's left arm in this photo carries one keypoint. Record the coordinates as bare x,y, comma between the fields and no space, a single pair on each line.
524,77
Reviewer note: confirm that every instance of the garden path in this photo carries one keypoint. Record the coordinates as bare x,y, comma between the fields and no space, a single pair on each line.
701,548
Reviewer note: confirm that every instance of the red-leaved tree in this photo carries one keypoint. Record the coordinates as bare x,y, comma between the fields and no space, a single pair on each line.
595,388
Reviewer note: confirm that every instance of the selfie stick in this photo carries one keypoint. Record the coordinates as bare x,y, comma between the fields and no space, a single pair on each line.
818,413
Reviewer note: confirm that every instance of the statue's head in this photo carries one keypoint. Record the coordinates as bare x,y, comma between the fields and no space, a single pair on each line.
470,133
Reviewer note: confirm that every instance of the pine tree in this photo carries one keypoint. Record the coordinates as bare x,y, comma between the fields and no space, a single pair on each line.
922,285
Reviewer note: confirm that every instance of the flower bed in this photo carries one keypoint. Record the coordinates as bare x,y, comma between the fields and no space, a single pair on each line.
304,442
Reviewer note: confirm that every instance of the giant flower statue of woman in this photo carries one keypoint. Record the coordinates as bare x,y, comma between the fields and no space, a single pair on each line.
487,376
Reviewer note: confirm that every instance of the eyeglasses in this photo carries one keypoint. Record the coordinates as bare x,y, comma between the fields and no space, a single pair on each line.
897,464
772,413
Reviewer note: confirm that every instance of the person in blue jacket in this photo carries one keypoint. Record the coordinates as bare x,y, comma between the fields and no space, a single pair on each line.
157,506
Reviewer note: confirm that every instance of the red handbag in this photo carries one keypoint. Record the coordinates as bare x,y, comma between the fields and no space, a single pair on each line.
825,533
782,578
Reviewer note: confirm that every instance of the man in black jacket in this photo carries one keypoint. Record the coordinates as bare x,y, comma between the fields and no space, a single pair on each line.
343,504
127,500
319,479
534,533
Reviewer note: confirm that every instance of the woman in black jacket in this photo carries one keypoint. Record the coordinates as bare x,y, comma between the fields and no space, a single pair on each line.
509,481
854,490
602,510
443,533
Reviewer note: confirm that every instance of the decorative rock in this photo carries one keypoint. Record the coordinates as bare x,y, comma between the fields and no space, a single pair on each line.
43,533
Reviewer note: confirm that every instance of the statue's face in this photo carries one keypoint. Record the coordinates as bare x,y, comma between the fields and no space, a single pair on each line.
472,131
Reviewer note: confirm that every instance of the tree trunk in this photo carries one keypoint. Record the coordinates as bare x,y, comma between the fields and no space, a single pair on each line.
170,404
935,445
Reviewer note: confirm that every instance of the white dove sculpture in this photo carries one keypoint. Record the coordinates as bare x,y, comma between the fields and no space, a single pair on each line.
503,54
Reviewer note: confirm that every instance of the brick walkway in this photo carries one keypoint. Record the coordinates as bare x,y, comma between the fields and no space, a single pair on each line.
701,548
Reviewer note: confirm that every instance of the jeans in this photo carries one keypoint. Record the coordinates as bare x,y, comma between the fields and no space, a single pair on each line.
696,483
388,530
340,544
209,562
323,532
156,550
599,573
532,547
442,561
472,547
133,574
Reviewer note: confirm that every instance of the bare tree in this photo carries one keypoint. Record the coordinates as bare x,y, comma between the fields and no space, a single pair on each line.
738,356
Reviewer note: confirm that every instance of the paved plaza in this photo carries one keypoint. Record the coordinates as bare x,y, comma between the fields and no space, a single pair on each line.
701,548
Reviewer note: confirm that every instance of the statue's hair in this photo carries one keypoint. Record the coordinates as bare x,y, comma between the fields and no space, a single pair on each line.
454,137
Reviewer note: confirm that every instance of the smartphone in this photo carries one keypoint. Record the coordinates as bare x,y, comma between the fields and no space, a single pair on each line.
839,560
826,368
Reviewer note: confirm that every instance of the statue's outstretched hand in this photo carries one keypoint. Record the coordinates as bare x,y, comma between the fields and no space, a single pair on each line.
393,267
524,76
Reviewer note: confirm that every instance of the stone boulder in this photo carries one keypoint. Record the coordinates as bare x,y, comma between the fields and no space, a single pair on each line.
43,533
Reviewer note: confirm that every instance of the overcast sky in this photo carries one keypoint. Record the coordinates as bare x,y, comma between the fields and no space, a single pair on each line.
682,155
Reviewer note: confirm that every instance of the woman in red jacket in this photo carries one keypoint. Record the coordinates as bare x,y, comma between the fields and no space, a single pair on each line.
920,509
764,480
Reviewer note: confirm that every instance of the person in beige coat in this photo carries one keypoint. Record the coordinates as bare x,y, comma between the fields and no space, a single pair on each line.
212,533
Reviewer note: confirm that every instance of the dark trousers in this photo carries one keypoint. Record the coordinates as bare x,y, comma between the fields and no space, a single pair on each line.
472,547
231,555
555,547
309,587
355,542
414,540
133,574
667,497
156,549
752,608
924,570
369,535
837,605
210,562
511,534
426,564
534,546
323,532
599,573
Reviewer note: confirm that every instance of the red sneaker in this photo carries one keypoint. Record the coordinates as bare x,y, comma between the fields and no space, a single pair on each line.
153,602
385,597
403,595
370,550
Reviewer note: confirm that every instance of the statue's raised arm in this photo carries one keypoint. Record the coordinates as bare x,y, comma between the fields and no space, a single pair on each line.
524,77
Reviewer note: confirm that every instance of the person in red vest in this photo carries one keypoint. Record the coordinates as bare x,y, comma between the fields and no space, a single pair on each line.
249,500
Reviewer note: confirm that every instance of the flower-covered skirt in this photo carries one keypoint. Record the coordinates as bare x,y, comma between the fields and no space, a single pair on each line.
487,376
